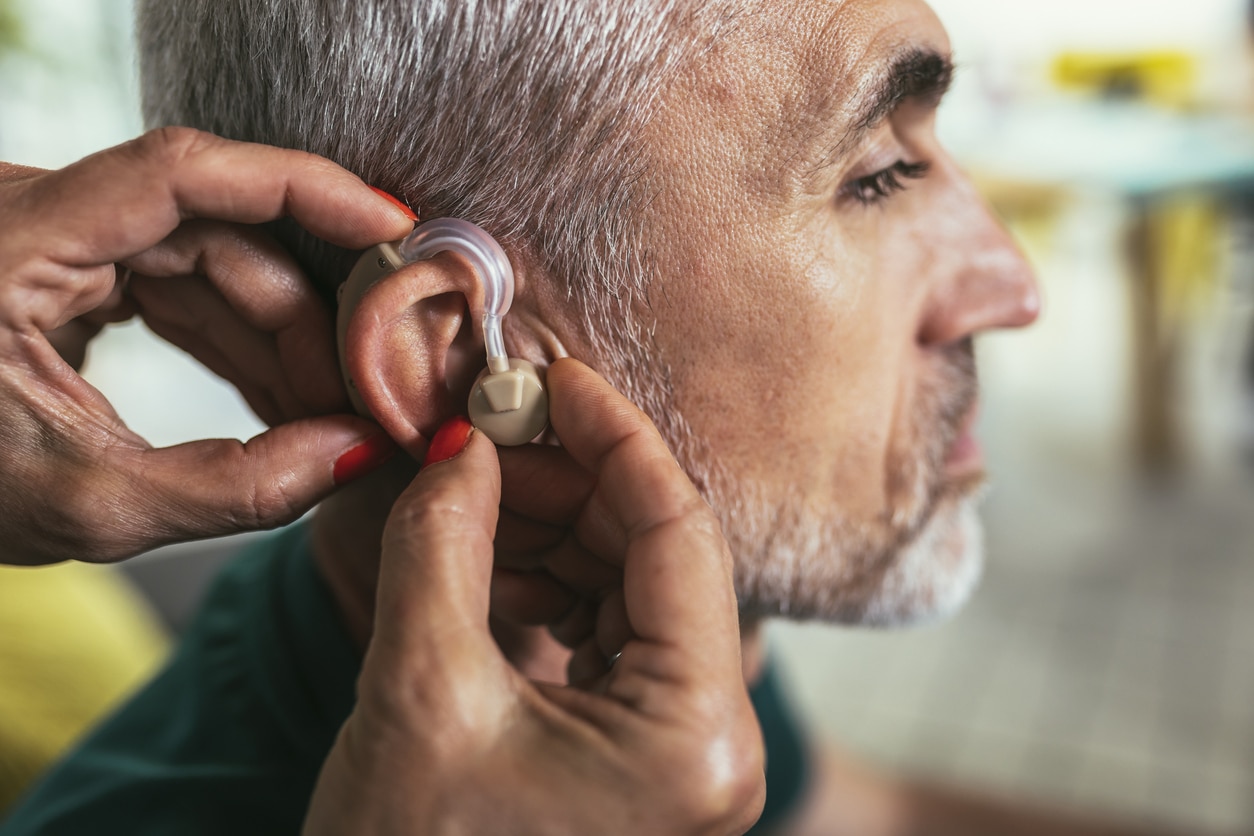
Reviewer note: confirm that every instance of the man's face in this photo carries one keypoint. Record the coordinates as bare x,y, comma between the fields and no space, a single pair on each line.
823,266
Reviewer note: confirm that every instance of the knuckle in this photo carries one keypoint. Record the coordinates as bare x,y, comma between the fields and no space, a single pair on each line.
428,509
264,499
271,505
171,144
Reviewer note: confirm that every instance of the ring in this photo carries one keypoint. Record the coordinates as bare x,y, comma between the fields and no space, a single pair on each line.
609,663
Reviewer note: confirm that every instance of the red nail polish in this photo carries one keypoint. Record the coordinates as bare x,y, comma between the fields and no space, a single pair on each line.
450,439
409,213
366,457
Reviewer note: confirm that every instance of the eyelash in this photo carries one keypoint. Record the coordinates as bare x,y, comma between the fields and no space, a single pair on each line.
881,185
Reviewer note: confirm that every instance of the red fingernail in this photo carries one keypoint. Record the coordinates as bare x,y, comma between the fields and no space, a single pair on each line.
409,213
364,458
450,439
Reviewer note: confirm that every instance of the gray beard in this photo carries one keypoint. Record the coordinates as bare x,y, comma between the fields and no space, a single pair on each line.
798,566
917,566
920,562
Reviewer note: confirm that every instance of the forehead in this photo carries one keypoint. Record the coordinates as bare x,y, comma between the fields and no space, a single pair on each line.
791,75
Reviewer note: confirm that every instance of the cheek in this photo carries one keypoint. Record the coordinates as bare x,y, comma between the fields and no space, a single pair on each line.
793,379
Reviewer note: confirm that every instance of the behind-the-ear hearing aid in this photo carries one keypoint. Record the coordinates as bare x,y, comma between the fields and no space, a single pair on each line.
508,402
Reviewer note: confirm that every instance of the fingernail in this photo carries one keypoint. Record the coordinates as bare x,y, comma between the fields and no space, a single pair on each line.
409,213
450,439
365,458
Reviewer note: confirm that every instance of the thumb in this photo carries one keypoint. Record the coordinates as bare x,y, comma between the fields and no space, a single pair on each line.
431,616
222,486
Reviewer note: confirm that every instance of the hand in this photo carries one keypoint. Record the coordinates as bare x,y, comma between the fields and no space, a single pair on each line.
448,737
74,481
71,339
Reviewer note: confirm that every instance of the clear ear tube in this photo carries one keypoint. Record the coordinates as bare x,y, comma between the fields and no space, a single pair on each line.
508,402
489,261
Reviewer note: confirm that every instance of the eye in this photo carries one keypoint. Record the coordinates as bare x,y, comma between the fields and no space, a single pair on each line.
876,187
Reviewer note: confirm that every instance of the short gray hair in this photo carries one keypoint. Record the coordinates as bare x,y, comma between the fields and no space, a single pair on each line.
523,116
527,117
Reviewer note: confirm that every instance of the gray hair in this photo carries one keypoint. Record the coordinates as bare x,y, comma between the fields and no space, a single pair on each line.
523,116
526,117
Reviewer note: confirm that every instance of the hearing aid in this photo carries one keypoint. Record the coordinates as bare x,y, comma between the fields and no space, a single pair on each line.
508,401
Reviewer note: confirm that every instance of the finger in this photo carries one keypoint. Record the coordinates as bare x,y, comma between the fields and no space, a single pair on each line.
613,628
210,488
173,174
543,483
587,664
431,618
531,651
529,599
577,625
521,543
116,306
71,339
578,568
677,576
251,285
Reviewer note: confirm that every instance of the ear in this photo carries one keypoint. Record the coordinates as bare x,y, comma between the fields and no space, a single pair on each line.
412,347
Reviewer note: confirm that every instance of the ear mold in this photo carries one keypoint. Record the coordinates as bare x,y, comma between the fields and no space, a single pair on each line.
508,401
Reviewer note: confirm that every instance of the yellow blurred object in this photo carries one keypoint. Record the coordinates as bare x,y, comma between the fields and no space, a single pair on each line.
1187,231
74,640
1162,77
1031,211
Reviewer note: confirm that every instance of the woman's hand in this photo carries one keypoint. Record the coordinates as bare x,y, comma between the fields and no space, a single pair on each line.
74,481
448,737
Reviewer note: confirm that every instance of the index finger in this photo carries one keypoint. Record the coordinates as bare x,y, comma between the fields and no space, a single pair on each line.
431,614
126,199
677,576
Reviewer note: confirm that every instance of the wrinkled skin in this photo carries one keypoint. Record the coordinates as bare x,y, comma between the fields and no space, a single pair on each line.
449,737
76,483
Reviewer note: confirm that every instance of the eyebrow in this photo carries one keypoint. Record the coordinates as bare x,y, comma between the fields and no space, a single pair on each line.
917,73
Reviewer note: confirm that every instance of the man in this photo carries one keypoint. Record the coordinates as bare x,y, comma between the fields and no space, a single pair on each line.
784,191
737,212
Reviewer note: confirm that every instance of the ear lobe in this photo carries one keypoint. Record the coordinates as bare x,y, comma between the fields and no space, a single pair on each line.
410,343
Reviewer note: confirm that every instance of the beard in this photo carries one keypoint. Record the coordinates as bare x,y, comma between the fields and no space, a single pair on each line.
800,565
918,560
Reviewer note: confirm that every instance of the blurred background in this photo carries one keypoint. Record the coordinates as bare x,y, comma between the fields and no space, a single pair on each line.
1107,663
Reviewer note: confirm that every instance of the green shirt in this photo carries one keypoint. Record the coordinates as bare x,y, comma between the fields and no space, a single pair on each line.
229,738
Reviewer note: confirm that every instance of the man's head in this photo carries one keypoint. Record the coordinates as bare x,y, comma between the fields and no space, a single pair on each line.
736,210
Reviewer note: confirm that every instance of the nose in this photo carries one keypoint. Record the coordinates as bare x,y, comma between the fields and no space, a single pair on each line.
988,285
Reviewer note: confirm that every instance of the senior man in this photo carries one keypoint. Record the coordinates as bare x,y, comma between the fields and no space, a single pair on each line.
737,212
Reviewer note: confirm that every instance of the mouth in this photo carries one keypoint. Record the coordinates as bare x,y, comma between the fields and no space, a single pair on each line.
965,457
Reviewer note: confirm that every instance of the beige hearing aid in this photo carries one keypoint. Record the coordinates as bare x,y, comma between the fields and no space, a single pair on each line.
508,402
